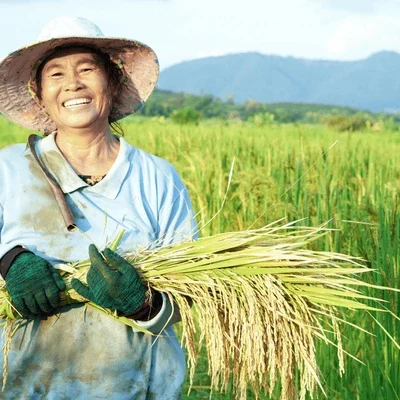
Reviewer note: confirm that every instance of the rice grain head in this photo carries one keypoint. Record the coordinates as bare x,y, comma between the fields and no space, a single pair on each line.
261,301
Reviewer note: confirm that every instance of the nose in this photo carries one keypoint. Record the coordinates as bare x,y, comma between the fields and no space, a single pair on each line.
73,82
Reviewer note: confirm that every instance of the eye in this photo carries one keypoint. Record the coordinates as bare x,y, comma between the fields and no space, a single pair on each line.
86,69
56,74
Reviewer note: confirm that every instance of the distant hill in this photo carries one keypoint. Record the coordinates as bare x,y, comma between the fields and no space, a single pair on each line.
370,84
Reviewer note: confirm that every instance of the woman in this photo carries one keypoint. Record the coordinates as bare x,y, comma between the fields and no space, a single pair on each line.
71,84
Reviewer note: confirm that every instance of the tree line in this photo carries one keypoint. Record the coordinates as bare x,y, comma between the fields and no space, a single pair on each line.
188,108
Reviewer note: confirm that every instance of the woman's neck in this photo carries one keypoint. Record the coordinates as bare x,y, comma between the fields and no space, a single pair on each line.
89,153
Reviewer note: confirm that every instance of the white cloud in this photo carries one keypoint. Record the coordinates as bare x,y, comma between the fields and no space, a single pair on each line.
347,38
359,7
353,6
357,37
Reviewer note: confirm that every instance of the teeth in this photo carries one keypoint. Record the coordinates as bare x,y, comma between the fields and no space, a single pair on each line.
76,102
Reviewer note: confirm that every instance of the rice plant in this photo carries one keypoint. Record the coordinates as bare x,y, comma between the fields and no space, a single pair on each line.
262,302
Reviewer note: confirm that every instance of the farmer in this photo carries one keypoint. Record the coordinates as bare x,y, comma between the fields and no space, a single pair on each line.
72,84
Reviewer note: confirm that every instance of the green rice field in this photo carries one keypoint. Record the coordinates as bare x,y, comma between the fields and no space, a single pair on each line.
349,180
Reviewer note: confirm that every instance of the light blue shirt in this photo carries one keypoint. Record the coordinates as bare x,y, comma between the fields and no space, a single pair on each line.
80,353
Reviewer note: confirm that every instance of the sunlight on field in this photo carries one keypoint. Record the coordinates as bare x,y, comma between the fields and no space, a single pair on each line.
293,172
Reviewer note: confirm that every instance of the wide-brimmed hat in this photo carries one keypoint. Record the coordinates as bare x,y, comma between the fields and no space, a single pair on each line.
138,63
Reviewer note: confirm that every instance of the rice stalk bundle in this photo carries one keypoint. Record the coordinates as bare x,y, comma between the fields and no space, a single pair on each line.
262,300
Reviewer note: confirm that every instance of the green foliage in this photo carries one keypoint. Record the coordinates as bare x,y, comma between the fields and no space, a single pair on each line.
186,116
343,123
387,123
262,119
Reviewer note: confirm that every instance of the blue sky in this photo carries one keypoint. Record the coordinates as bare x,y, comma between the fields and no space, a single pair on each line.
186,29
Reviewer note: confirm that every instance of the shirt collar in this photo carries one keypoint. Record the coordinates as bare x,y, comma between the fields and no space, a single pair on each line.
67,178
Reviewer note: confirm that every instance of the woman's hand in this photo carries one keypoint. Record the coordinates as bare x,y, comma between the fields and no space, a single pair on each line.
113,283
34,285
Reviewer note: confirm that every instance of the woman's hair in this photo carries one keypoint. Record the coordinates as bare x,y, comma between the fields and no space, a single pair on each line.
112,70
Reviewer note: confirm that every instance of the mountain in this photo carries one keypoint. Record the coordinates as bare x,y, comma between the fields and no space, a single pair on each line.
370,84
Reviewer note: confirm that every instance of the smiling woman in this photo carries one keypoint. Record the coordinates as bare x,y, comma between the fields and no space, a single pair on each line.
72,84
74,90
88,60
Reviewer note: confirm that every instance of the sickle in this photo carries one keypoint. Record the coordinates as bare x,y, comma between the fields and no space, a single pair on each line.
55,187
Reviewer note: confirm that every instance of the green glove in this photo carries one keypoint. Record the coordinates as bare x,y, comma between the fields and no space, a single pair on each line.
113,283
34,285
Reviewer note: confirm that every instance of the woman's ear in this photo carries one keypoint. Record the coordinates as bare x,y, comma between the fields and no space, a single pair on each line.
34,91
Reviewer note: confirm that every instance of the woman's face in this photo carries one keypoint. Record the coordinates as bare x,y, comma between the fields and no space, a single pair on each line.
75,91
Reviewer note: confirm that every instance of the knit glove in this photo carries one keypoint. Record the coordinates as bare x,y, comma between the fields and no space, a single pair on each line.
34,285
113,283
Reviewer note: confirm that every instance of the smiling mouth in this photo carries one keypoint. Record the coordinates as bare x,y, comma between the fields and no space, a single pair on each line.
76,102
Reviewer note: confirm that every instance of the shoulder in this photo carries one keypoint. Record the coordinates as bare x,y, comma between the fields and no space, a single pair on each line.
14,167
12,150
13,154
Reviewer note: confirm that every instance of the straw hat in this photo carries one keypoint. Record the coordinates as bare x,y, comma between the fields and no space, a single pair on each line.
137,61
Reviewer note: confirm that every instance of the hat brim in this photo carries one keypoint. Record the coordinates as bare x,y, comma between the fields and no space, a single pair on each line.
139,65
